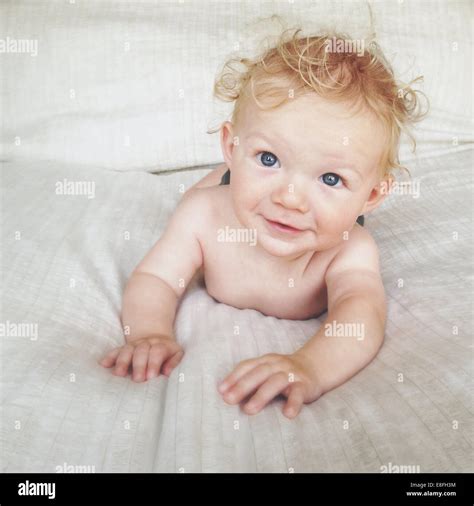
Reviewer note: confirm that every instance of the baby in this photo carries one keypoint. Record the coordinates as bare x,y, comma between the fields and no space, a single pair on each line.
310,147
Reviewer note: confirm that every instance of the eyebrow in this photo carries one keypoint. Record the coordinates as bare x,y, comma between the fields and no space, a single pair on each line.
333,156
264,137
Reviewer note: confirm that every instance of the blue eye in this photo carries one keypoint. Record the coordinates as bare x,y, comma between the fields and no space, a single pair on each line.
268,159
331,179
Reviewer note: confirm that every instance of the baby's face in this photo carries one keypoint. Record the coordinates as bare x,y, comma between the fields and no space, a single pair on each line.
311,164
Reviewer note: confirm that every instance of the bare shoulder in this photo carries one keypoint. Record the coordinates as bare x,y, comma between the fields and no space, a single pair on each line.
177,254
208,197
355,271
358,252
195,204
202,206
212,178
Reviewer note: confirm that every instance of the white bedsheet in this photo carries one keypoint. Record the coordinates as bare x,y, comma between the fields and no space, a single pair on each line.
67,271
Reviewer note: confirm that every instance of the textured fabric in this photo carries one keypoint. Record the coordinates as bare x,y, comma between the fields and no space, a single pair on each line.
128,85
65,263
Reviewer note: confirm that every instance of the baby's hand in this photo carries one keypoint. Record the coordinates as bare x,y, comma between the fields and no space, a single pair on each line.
147,356
272,374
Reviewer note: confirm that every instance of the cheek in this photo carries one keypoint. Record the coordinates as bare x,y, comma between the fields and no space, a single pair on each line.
246,188
242,193
332,214
332,223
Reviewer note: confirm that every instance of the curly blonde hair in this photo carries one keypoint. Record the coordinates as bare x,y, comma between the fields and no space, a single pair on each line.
299,65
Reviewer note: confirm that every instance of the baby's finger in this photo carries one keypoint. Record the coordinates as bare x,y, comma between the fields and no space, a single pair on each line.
156,357
243,368
286,391
123,360
269,390
172,362
295,400
173,347
109,359
139,361
248,383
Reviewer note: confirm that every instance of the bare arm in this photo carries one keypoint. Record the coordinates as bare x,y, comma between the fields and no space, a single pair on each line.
354,329
152,293
347,342
151,296
149,306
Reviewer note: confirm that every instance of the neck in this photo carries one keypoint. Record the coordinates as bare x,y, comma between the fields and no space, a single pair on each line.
295,261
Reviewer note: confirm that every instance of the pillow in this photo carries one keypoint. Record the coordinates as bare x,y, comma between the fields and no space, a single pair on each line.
128,85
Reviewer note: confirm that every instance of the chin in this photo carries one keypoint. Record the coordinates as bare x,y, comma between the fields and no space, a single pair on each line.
277,247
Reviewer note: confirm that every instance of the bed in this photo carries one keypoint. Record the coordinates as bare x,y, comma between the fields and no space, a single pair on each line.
96,106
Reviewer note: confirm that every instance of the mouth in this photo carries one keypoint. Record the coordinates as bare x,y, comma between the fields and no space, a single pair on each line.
281,227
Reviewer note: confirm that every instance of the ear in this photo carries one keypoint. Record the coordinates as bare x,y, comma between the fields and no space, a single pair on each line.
227,142
377,194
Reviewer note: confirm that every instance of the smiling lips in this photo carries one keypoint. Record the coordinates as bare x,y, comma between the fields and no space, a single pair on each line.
282,227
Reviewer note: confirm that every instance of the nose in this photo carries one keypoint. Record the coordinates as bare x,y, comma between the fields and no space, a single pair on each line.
292,196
